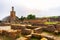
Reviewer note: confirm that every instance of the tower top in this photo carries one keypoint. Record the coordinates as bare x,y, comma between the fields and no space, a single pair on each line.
12,8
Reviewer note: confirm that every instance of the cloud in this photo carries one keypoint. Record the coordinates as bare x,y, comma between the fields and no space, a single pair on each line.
25,7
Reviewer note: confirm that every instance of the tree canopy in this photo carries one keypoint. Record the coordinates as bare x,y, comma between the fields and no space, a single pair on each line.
22,18
30,16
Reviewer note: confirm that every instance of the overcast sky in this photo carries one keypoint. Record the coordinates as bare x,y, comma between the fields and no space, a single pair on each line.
24,7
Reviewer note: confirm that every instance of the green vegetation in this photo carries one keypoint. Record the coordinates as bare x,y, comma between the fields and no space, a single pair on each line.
55,17
30,16
17,36
34,38
5,38
22,18
0,21
50,22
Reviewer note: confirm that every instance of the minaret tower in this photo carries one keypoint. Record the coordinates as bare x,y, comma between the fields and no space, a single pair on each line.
12,14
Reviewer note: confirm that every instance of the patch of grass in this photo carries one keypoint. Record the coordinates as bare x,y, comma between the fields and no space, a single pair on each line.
50,22
34,39
6,38
17,36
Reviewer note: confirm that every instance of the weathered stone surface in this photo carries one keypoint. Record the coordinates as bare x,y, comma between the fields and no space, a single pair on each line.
17,27
58,27
11,33
26,31
38,30
31,27
50,28
36,35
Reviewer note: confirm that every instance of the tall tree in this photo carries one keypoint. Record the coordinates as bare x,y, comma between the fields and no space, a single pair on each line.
30,16
22,18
